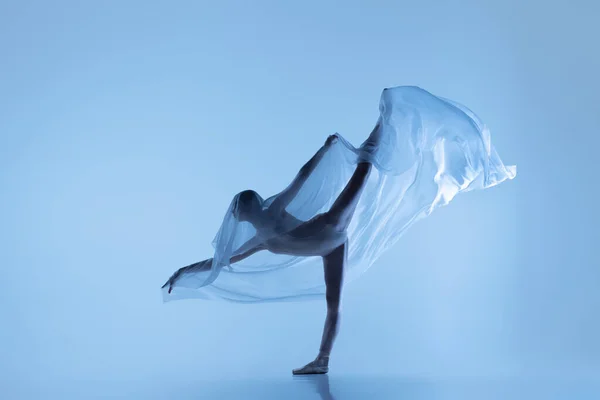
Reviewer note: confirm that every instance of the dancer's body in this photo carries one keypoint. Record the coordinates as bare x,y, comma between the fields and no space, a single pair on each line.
324,236
425,150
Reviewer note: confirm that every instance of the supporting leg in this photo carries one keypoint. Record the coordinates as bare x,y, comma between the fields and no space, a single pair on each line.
333,265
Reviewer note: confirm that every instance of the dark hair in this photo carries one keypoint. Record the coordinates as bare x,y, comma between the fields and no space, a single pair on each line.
247,202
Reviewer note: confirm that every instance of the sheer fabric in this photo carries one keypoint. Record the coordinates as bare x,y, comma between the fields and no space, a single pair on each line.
430,149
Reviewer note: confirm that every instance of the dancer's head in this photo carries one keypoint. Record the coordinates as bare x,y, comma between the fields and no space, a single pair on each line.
248,206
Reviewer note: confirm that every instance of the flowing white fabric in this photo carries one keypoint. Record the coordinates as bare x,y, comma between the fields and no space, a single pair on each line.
430,149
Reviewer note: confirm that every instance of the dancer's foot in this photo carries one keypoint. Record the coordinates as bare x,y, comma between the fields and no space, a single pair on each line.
319,366
332,139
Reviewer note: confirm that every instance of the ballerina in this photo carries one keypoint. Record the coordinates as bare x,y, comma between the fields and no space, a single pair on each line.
420,162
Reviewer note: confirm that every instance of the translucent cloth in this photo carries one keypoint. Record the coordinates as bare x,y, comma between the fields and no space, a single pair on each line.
430,149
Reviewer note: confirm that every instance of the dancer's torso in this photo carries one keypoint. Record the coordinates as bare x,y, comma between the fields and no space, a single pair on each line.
315,237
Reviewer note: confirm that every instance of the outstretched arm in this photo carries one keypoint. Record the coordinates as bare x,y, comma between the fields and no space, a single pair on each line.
285,197
246,250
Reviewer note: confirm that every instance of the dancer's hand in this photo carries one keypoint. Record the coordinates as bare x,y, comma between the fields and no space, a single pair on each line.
171,280
332,139
169,283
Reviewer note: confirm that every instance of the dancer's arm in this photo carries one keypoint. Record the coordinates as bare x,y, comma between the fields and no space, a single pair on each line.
285,197
246,250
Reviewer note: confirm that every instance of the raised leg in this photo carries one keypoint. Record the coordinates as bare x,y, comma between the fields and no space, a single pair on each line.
343,208
333,265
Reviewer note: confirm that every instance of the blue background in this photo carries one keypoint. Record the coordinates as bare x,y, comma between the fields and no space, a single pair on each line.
127,126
